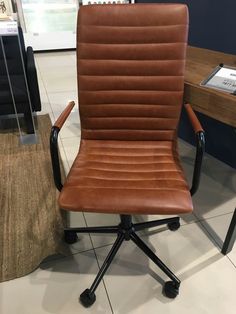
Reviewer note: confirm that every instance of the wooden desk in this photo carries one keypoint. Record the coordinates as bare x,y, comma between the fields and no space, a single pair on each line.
215,104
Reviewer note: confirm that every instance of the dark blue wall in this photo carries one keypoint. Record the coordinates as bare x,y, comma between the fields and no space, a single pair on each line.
212,23
212,26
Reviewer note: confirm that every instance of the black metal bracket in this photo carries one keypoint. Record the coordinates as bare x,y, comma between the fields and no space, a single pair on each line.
54,144
230,236
55,157
200,149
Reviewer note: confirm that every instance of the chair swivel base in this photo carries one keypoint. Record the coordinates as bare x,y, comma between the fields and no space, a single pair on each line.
126,231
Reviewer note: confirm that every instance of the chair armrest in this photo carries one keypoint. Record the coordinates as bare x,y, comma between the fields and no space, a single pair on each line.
54,144
200,147
32,80
193,119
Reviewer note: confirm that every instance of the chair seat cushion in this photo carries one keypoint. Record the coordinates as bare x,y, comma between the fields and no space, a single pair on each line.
126,177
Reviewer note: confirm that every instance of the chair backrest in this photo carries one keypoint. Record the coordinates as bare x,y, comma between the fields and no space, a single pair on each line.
131,61
12,51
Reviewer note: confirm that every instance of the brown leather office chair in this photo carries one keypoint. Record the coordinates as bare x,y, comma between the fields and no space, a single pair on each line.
130,62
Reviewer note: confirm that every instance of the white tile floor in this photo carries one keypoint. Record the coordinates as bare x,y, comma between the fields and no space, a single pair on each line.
133,284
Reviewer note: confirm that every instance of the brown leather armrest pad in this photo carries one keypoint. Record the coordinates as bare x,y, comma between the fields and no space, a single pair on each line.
193,119
63,116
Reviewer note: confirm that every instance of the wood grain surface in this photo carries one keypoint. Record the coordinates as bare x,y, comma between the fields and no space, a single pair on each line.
213,103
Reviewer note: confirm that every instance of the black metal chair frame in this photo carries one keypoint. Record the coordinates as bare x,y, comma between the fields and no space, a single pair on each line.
126,230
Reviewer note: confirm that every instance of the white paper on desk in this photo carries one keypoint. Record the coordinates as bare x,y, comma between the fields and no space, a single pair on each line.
227,73
224,79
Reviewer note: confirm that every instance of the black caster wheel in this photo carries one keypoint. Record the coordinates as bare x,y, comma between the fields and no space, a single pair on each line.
87,298
70,236
173,226
170,290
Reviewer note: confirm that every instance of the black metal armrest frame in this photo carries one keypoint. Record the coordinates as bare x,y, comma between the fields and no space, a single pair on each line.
54,144
200,147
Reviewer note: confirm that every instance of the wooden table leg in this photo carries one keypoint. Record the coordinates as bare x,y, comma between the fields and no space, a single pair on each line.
230,236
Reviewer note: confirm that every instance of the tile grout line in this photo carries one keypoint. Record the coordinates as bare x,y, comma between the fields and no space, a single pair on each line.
231,261
73,253
41,77
99,266
209,234
216,244
104,283
218,215
212,237
52,110
47,92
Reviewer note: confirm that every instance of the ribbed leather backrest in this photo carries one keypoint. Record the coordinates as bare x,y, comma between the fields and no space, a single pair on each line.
131,62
